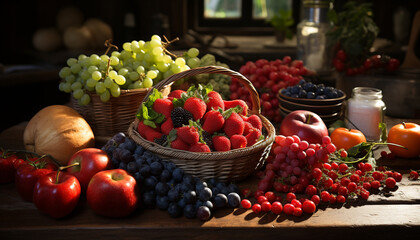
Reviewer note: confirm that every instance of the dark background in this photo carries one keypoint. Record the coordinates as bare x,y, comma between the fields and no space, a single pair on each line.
23,94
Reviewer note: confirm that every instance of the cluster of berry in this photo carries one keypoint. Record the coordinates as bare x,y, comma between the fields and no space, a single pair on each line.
167,187
198,120
268,77
318,172
342,64
310,90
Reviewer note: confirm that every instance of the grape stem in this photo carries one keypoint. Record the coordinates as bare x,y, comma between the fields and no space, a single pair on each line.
109,45
166,44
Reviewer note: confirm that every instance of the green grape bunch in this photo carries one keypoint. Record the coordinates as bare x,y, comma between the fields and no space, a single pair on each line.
140,64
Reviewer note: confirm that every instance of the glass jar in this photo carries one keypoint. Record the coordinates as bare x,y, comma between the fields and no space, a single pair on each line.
312,47
365,110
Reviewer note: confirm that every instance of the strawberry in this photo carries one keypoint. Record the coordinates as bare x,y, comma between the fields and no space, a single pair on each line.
255,120
176,93
234,125
248,127
167,126
188,134
238,141
237,102
221,143
213,121
179,144
148,132
152,134
253,136
215,101
163,106
199,147
196,106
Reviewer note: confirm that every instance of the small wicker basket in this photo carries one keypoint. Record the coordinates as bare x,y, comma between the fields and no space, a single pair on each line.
227,166
108,118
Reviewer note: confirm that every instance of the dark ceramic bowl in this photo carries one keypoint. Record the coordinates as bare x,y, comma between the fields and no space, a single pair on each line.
316,102
318,109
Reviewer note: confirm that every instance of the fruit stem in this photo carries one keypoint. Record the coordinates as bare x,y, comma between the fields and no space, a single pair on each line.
167,43
403,123
63,168
109,45
309,118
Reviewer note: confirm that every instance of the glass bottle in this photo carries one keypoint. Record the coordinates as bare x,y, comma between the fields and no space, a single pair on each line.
312,47
365,110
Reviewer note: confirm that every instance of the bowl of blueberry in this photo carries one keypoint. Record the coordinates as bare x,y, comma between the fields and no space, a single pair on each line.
312,94
323,100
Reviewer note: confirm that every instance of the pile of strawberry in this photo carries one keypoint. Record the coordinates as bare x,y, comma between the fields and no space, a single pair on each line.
198,120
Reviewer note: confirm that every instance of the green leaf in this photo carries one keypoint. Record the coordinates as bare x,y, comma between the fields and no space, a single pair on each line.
382,127
149,123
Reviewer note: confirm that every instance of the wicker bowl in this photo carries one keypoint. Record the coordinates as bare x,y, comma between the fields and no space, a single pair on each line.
107,119
227,166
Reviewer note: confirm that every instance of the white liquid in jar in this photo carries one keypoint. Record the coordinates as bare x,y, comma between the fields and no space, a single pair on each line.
365,112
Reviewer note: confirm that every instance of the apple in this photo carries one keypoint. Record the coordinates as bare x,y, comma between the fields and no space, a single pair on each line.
57,194
88,162
112,193
305,124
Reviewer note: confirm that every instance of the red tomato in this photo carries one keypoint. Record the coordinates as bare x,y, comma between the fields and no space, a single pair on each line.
7,170
407,135
27,175
341,54
392,65
344,138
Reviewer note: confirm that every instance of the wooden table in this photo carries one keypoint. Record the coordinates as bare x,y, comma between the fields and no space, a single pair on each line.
394,214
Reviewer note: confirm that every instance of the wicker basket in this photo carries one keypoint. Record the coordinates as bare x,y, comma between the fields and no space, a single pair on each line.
227,166
107,119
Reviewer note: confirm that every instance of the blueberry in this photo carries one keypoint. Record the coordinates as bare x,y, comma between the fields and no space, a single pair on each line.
302,82
132,167
190,211
320,91
162,188
320,97
162,202
190,196
302,94
126,156
139,150
203,213
233,200
174,210
122,165
150,182
165,176
173,195
208,204
220,200
310,95
182,202
156,168
145,171
178,174
205,194
188,179
149,198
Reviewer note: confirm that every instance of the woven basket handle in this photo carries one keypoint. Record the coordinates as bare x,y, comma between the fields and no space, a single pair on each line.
255,100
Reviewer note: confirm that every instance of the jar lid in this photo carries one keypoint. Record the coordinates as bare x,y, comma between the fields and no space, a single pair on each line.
367,92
